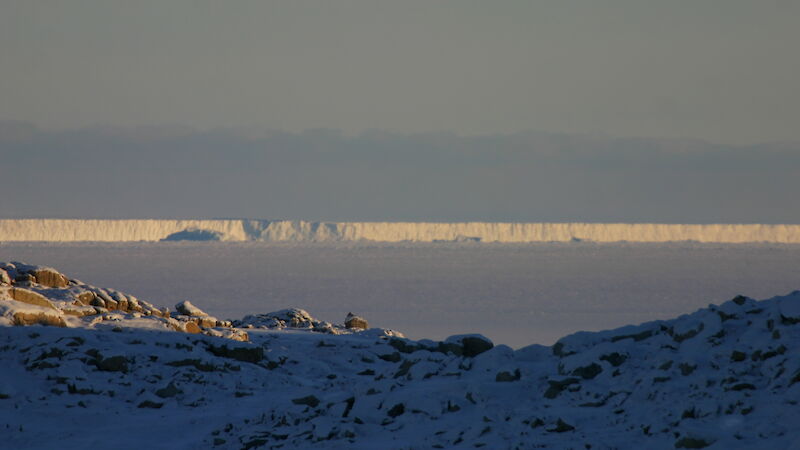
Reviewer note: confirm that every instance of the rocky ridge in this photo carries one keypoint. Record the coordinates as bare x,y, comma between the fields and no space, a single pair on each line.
726,376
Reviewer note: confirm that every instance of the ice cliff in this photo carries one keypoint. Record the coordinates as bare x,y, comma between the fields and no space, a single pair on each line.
305,231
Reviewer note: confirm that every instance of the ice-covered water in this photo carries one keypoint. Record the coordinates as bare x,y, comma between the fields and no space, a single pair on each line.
515,294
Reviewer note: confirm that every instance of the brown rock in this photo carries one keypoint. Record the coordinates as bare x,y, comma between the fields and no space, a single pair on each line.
79,311
111,304
192,328
85,297
29,297
207,322
50,278
188,309
4,278
23,318
24,279
353,321
236,335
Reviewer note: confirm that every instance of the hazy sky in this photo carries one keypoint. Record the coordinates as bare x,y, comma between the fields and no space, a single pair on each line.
175,172
721,70
401,110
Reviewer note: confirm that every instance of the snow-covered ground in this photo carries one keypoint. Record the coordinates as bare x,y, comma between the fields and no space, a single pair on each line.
122,373
515,294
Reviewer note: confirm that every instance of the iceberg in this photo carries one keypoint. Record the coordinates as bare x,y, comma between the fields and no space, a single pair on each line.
66,230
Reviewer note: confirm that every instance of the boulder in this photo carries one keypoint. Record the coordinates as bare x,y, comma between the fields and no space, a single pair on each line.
29,297
236,335
107,301
353,321
50,277
25,318
117,363
188,309
85,297
78,310
472,344
191,327
24,279
169,391
4,278
293,317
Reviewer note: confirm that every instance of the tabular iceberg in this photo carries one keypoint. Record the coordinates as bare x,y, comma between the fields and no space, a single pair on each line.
62,230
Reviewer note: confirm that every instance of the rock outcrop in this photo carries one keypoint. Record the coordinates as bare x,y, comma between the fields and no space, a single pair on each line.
31,295
355,322
38,295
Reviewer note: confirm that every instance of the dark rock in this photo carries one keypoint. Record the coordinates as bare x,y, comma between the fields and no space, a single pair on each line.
561,427
396,410
557,386
391,357
113,364
502,377
150,404
24,279
739,300
588,372
252,354
450,347
690,442
737,356
308,400
474,346
471,344
615,359
404,346
170,391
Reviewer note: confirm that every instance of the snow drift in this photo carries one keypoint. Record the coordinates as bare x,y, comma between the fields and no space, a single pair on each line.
726,376
304,231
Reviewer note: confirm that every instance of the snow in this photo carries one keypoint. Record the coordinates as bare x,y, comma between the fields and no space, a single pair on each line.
724,376
64,230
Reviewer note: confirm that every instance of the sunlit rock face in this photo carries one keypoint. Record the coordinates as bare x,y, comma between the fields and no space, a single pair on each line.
464,232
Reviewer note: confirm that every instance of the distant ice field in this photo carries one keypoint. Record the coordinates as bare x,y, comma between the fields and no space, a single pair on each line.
516,294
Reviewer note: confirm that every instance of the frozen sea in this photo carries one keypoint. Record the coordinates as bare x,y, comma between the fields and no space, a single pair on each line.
514,294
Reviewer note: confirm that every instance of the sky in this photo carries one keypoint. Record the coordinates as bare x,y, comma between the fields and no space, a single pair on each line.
720,70
629,111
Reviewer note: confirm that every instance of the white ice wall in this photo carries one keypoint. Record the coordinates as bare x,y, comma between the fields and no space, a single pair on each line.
302,231
111,230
